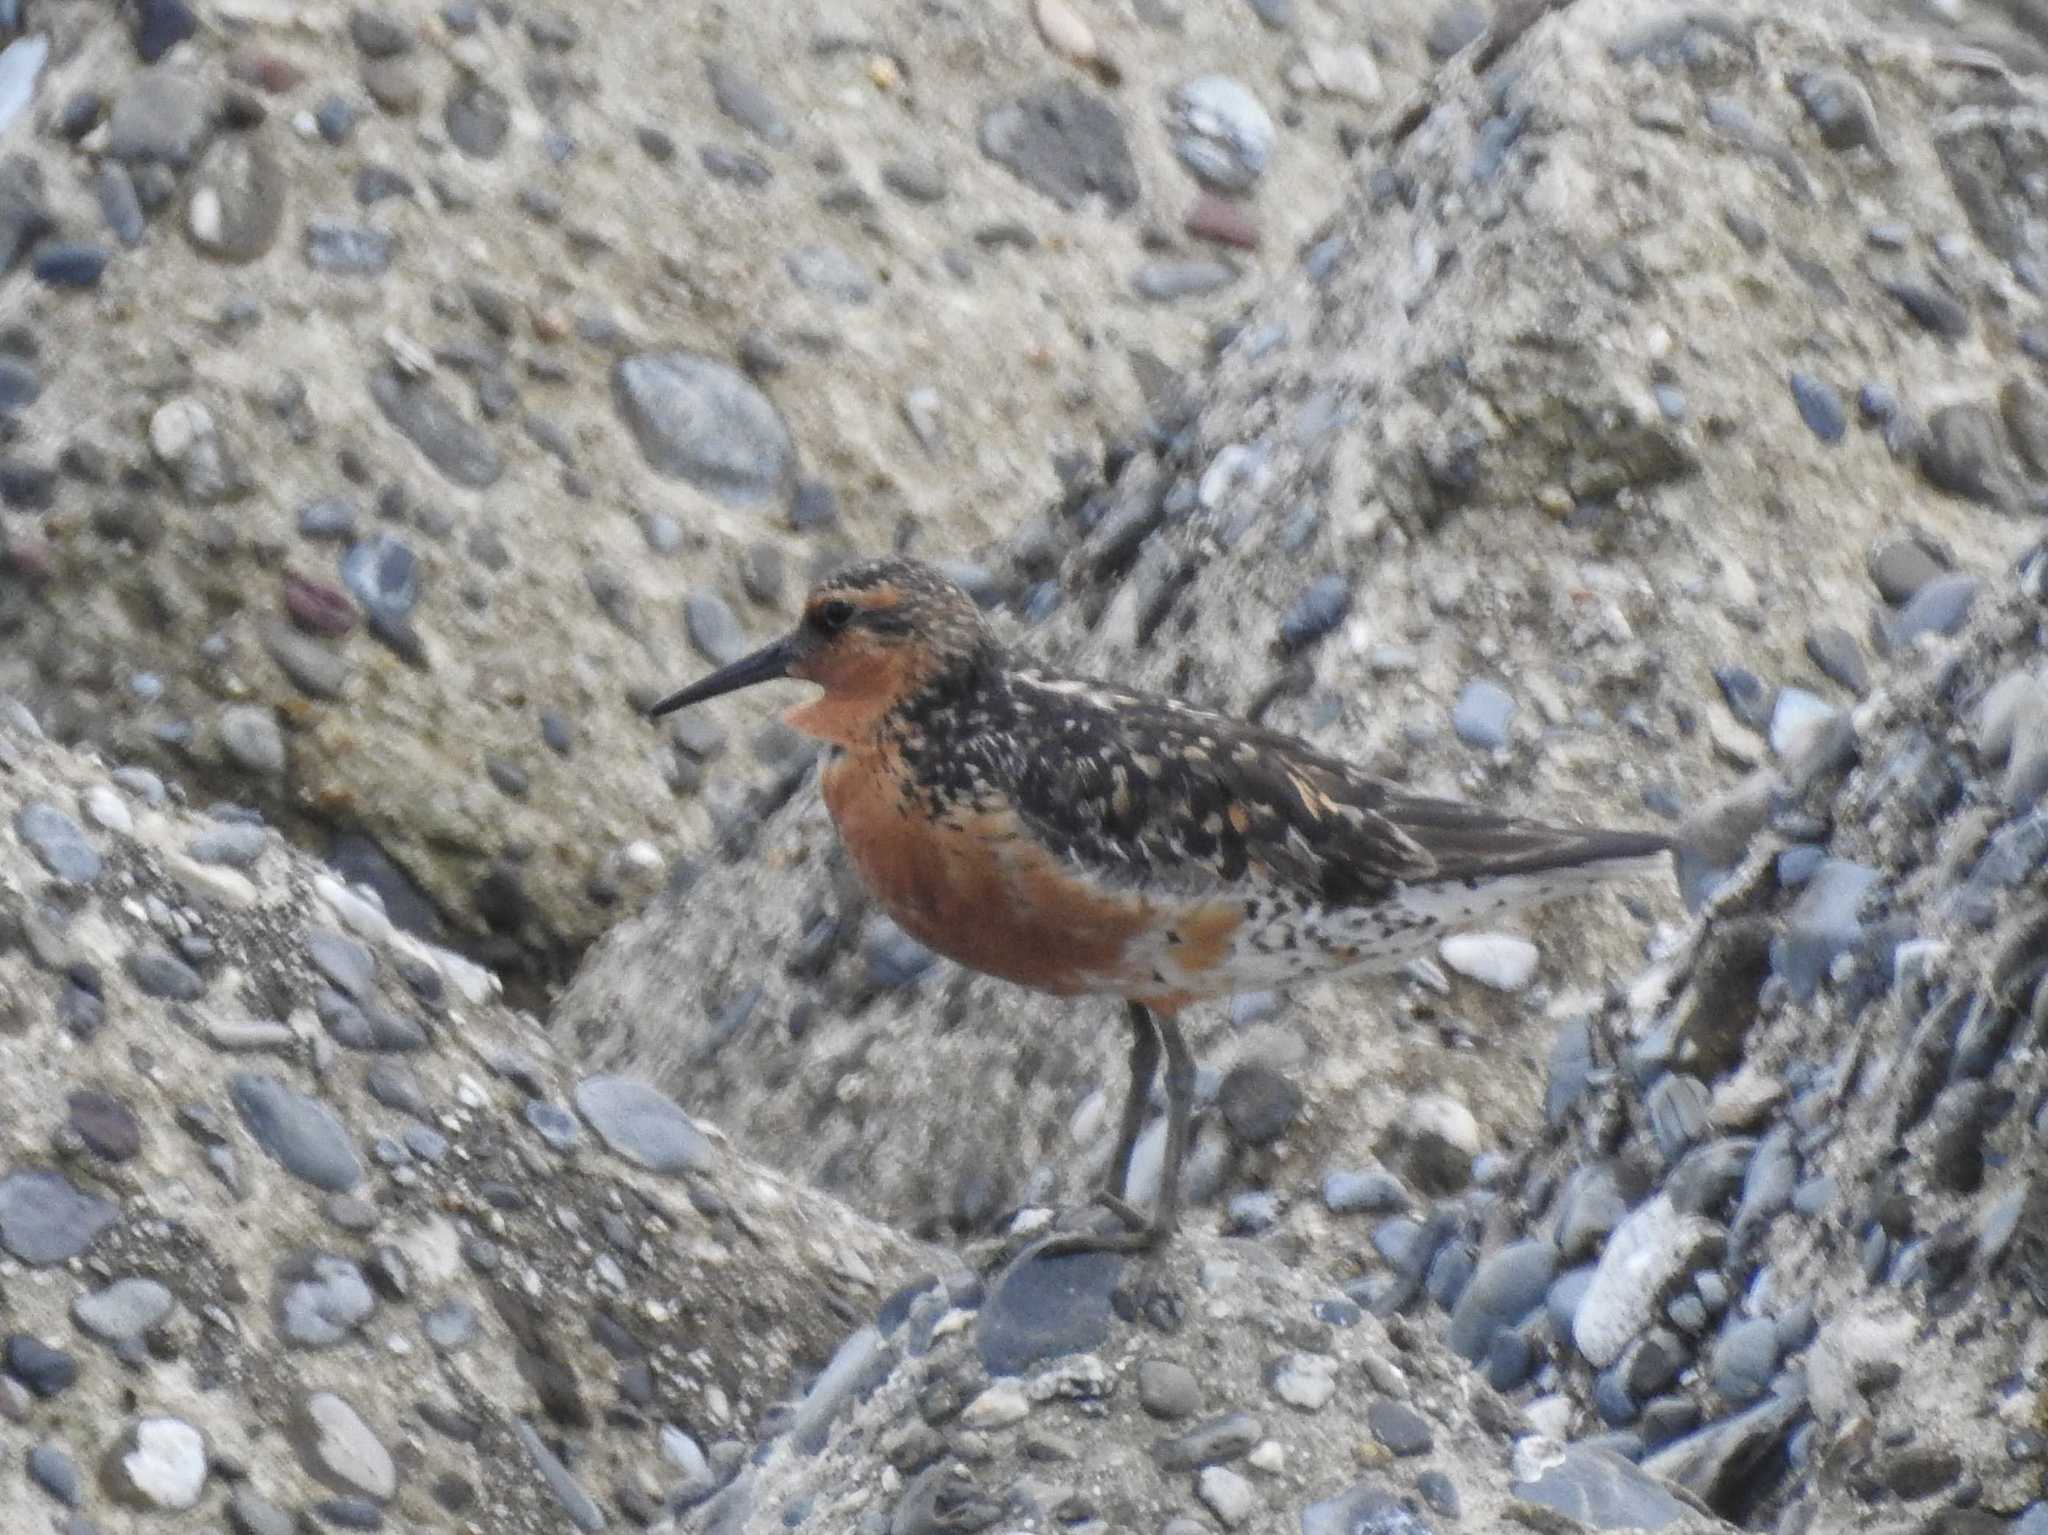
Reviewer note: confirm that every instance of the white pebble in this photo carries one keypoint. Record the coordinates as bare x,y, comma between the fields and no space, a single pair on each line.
1228,1495
1499,960
997,1407
104,804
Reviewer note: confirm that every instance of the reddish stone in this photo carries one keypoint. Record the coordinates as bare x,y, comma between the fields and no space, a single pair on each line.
1223,221
317,607
30,556
272,72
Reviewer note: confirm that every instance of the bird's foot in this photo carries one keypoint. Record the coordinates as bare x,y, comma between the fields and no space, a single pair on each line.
1142,1237
1133,1218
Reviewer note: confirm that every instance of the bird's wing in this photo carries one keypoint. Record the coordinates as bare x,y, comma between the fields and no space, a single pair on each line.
1145,789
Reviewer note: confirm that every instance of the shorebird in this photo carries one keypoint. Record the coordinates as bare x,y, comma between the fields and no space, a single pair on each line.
1084,839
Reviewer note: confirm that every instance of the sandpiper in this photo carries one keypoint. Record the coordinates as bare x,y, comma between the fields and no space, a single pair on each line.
1084,839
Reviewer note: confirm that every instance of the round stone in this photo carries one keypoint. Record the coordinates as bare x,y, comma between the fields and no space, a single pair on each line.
158,1465
450,1325
304,1135
1366,1191
1221,132
1399,1427
107,1125
1065,143
58,842
1228,1496
322,1300
45,1370
1168,1390
250,736
53,1470
163,116
1506,1287
336,1446
1481,715
236,205
1440,1138
1258,1103
1744,1358
124,1309
641,1125
696,419
235,845
477,117
1497,960
44,1220
714,628
456,447
1649,1254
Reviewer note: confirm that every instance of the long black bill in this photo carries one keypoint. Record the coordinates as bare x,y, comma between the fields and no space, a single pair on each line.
764,665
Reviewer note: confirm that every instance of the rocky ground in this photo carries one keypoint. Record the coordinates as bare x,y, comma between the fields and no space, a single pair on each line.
299,1220
457,375
1546,479
1626,414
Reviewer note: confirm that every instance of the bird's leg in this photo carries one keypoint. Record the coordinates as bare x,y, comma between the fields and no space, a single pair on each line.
1180,1108
1142,1234
1115,1195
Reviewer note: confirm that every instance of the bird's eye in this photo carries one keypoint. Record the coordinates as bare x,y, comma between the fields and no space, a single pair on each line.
833,616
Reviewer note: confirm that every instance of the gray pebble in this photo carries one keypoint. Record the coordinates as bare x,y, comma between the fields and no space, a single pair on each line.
1942,606
161,974
51,1468
235,846
124,1309
1399,1427
1168,1390
1840,108
699,420
740,97
322,1300
1481,715
1505,1288
829,272
1819,407
348,250
1901,565
250,1513
1371,1191
1839,656
338,1448
58,842
347,963
1221,132
1960,454
714,628
332,517
642,1125
450,1325
44,1219
303,1134
1210,1442
456,448
119,204
915,180
314,669
1744,1358
477,117
1164,281
250,736
1065,143
162,115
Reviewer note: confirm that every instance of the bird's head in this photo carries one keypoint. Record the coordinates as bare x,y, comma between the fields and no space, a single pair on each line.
871,636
